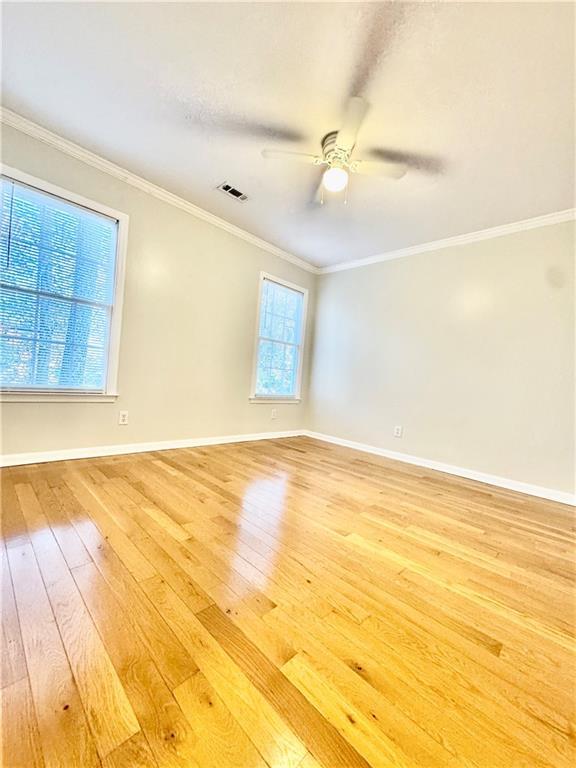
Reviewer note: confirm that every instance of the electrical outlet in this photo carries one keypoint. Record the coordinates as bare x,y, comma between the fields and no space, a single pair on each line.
274,413
123,418
398,431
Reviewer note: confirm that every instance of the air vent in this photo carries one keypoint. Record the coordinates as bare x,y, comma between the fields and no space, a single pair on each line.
231,191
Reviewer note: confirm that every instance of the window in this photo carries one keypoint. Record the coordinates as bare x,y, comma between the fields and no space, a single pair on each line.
61,271
279,343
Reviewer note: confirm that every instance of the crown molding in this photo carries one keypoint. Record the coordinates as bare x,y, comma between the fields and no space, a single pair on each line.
449,242
13,119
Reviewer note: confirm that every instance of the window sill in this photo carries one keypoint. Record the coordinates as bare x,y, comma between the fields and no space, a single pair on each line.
275,400
55,397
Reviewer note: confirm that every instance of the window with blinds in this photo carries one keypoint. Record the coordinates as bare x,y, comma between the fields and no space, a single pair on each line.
280,339
57,287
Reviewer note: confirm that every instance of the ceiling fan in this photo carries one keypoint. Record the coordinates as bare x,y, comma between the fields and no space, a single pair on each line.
336,159
337,150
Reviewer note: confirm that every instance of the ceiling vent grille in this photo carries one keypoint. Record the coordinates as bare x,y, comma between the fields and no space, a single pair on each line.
231,191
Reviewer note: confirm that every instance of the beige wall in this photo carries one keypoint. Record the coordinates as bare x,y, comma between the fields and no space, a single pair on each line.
470,349
188,325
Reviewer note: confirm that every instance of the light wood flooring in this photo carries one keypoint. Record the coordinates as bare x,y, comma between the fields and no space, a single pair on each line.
284,603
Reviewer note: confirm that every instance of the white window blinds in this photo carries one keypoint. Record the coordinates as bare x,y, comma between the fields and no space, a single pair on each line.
280,336
57,280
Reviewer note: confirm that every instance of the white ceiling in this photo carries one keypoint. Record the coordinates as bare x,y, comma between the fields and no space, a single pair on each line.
484,92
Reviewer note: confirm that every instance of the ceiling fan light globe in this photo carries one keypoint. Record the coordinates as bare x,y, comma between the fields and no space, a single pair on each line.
335,179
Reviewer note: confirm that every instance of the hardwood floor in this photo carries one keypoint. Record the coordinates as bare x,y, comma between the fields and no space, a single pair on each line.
287,604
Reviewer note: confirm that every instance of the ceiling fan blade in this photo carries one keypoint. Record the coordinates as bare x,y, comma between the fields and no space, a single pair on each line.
383,22
242,126
316,196
380,168
353,118
280,154
420,162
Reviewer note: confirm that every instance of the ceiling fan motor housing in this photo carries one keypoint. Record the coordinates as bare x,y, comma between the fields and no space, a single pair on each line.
334,155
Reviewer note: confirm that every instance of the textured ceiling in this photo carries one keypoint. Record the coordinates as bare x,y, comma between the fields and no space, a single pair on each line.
479,96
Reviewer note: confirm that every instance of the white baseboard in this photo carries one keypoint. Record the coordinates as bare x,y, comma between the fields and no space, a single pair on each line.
15,459
470,474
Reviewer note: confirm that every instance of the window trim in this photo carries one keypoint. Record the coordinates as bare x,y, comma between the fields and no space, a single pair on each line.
295,398
110,392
